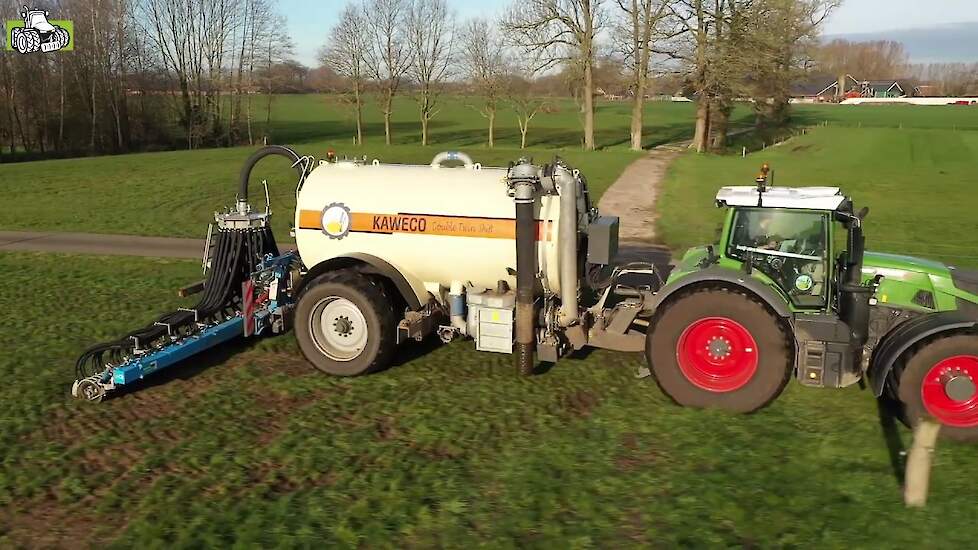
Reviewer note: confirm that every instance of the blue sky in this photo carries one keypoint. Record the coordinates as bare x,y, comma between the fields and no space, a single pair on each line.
310,21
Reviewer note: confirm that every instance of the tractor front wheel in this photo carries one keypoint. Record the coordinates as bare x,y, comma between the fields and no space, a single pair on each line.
940,381
721,349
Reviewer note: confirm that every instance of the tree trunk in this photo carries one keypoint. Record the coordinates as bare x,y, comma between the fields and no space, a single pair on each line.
638,117
388,107
523,129
492,127
588,106
359,104
702,135
719,121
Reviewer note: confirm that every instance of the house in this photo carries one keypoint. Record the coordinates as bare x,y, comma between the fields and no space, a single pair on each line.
821,89
881,88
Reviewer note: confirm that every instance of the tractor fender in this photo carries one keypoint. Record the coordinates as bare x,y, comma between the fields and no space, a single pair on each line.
368,264
908,334
726,277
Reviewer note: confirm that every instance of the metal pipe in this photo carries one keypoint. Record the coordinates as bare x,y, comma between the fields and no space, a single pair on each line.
567,247
524,179
456,306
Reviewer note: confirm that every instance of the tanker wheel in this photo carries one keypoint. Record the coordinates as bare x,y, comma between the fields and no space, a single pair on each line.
940,381
721,349
344,324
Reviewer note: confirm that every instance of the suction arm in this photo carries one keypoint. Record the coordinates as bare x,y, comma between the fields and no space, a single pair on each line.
269,150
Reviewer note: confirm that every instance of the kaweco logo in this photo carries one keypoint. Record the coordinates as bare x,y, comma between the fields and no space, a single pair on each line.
34,32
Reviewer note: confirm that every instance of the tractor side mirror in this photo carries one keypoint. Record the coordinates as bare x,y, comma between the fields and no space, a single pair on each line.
863,212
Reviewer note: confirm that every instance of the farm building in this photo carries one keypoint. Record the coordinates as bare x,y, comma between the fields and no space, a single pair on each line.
821,89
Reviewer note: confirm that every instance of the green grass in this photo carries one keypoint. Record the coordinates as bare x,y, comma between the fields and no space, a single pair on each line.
249,445
918,183
175,194
300,118
889,116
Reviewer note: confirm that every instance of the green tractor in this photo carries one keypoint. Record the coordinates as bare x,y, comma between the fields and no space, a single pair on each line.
790,291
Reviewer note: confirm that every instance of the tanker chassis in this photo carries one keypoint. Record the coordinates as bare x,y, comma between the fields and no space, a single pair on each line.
519,260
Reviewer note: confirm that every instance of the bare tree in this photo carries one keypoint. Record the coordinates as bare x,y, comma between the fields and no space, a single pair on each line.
561,32
526,104
431,31
344,55
388,51
644,24
484,63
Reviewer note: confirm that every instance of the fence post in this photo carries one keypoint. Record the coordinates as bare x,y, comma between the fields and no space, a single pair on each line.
919,462
745,152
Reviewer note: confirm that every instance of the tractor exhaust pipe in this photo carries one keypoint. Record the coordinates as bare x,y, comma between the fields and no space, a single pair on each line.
524,180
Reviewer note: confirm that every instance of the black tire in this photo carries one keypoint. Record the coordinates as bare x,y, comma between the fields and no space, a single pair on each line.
685,320
31,41
910,380
62,37
346,288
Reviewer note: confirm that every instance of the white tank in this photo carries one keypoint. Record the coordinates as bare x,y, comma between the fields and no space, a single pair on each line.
433,224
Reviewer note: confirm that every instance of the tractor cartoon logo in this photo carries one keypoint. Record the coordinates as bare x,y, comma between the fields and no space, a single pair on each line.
35,33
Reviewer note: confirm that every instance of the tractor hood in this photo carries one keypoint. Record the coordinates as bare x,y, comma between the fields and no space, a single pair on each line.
920,284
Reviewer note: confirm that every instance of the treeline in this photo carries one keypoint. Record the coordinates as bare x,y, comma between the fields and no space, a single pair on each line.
719,50
145,74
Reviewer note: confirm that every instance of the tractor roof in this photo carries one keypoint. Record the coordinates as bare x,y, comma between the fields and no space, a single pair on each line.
803,198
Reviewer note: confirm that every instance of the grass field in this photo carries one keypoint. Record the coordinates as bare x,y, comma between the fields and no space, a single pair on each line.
919,184
250,446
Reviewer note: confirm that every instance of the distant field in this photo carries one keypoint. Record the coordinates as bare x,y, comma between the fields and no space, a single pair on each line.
919,184
249,446
299,118
889,116
175,193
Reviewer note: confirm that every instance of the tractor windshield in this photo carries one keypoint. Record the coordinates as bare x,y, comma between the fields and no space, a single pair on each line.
788,246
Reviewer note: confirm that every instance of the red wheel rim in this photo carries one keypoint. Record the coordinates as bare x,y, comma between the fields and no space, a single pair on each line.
717,354
948,391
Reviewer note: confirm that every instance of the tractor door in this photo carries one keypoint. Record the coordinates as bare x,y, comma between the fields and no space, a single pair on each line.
789,246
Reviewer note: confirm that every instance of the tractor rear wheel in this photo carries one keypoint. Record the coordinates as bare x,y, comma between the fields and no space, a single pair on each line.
719,348
940,381
345,325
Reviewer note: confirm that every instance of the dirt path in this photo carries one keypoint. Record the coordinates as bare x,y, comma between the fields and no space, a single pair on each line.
633,199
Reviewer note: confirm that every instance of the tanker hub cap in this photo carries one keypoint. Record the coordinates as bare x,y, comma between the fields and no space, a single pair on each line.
949,392
717,354
338,328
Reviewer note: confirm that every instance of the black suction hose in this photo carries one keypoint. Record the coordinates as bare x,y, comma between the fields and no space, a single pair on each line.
524,180
266,151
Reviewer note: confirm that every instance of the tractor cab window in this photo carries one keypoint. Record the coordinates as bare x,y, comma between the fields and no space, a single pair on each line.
788,246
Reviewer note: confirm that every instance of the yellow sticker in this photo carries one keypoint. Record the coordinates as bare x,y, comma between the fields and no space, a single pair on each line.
883,298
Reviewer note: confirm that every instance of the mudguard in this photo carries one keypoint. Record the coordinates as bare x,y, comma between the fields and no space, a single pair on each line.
908,334
368,264
732,277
